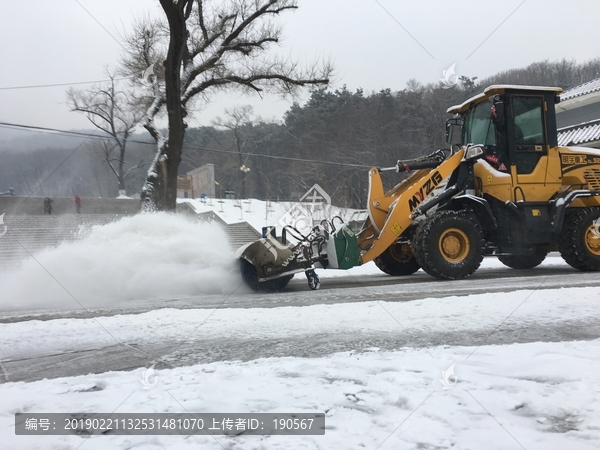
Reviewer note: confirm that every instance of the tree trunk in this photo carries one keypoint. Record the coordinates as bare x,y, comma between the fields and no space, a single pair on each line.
160,191
121,177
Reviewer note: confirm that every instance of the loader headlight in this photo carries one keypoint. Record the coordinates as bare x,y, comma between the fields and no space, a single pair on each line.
473,151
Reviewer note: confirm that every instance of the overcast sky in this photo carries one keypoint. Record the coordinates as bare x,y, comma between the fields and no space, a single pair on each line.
57,41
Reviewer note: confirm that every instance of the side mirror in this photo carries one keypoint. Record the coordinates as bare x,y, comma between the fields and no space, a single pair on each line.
453,130
497,110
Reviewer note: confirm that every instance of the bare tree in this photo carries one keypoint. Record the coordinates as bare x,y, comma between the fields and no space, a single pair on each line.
209,45
237,121
111,111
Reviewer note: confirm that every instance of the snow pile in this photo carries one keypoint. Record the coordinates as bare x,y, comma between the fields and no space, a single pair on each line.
139,257
260,213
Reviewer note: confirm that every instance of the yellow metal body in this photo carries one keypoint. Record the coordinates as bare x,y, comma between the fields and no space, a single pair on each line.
390,212
562,168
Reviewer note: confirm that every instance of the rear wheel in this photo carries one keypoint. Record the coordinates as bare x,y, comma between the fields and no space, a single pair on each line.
579,241
449,245
250,277
397,260
531,259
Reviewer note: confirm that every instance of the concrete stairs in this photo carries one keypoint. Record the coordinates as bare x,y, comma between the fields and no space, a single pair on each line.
241,233
28,234
34,206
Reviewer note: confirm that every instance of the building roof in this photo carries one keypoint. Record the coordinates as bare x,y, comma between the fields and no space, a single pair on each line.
584,133
497,89
582,89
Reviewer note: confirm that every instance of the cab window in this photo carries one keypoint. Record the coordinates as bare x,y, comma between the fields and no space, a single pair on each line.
478,127
529,121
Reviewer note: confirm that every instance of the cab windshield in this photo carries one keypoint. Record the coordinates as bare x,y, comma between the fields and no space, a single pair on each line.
478,127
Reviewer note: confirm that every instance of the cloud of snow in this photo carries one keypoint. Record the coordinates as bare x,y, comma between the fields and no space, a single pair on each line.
145,256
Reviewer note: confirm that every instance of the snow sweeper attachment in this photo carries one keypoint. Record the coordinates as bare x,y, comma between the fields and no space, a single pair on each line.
268,264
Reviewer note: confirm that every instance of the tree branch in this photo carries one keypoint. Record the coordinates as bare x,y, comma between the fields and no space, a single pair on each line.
201,20
250,81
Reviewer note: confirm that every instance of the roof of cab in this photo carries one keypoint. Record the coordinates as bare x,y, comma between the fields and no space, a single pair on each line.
498,89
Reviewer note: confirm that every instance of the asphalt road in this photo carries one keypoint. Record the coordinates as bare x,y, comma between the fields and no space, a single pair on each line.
344,289
334,290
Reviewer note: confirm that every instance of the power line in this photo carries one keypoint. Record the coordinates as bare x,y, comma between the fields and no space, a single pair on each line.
34,86
53,130
188,147
285,158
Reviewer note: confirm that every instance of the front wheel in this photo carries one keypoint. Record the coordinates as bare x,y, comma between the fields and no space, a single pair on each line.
449,245
250,277
579,241
397,260
533,258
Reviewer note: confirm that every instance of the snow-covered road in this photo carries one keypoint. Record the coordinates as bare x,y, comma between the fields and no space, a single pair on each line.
367,350
527,366
176,337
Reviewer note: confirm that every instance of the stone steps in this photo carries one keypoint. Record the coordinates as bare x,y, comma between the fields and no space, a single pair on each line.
241,233
27,235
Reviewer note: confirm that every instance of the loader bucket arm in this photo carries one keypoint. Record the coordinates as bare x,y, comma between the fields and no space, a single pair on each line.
390,213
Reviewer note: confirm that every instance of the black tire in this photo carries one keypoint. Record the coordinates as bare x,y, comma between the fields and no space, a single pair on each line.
250,277
449,245
397,260
578,243
531,259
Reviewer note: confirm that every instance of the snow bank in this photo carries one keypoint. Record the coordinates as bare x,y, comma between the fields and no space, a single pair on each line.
369,319
260,213
139,257
533,396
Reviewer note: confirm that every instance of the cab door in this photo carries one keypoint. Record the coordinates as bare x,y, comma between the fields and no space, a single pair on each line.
529,146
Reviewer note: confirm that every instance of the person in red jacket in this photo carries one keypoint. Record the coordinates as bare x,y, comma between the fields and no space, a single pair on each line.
77,201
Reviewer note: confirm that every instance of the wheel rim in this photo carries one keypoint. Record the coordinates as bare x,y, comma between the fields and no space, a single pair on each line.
592,240
401,252
454,245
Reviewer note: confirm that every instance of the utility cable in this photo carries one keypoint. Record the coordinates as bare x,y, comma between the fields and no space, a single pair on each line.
35,86
188,147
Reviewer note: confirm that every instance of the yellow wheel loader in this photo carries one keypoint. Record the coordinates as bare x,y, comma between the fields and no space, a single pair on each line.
504,188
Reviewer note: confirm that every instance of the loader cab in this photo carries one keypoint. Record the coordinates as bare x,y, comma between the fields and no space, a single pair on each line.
516,125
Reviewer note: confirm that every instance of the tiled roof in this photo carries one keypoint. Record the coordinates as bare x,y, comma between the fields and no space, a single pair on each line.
582,89
579,134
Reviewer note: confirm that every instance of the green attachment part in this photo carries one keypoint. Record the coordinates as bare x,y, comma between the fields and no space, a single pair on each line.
346,248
